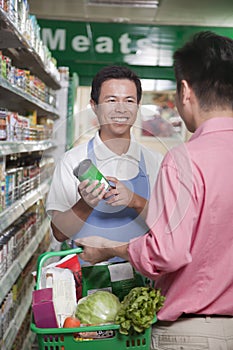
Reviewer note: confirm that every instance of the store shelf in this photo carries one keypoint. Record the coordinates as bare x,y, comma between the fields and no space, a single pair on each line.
23,55
18,265
17,47
7,147
8,216
9,337
27,345
15,99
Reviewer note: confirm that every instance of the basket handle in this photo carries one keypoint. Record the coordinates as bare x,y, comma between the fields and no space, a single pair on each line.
43,257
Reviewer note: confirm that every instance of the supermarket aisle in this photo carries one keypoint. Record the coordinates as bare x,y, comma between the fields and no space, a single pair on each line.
28,109
35,345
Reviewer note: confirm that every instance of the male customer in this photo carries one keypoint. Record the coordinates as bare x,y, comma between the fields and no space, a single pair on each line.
188,250
82,209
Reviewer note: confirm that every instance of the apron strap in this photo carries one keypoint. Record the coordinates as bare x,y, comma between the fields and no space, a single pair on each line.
90,151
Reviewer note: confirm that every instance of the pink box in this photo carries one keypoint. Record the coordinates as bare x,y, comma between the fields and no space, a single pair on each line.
43,308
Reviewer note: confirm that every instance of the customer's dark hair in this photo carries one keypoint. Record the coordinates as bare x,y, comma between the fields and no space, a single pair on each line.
206,63
114,72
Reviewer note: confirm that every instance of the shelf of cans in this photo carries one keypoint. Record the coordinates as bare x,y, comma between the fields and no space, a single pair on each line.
15,127
24,181
18,243
29,78
22,32
15,313
24,80
17,209
27,336
9,341
24,338
21,98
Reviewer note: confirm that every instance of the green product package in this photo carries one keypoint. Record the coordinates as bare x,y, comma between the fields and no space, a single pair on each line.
118,278
87,170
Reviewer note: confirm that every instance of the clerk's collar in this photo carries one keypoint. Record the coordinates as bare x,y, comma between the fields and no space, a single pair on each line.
102,152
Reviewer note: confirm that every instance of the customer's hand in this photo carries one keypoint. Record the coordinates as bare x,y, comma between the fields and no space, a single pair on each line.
91,193
97,249
118,195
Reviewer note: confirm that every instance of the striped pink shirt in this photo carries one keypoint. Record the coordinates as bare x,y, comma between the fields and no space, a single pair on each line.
189,248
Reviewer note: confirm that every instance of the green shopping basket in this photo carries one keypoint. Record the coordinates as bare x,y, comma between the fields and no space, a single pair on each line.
67,339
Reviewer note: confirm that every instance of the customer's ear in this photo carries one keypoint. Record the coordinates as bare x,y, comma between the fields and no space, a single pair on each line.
185,92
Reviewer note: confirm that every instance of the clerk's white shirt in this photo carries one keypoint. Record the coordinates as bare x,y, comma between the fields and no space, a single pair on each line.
63,192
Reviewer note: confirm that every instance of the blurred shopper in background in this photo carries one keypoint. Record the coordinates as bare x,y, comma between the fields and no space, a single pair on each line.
82,209
188,250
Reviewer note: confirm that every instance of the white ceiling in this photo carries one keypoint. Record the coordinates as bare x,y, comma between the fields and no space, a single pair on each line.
217,13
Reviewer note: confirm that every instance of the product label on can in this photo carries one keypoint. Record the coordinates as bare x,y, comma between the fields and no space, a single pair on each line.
87,170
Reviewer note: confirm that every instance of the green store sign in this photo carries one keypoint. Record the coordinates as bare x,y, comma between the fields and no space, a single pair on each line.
86,47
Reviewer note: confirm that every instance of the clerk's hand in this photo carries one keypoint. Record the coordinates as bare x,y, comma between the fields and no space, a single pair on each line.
118,195
121,195
91,193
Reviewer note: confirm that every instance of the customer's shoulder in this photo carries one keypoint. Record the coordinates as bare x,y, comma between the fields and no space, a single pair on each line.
178,156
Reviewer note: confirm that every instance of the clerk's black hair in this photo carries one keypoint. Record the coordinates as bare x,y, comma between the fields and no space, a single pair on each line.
114,72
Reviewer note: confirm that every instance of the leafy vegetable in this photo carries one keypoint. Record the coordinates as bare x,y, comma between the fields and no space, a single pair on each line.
98,307
138,309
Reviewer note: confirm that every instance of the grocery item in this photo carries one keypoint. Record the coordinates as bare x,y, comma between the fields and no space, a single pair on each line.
43,308
87,170
71,322
97,337
138,309
98,308
3,126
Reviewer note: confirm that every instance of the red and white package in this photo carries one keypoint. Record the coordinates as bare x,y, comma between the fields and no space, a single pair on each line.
72,263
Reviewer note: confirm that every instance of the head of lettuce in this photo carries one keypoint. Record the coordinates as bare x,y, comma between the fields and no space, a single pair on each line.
98,308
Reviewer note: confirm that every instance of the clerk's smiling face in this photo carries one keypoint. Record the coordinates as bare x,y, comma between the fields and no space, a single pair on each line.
117,108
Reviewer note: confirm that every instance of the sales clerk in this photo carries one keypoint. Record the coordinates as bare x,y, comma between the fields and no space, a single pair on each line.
79,209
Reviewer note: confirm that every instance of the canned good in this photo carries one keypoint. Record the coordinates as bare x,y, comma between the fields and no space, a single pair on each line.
3,126
10,177
64,73
87,170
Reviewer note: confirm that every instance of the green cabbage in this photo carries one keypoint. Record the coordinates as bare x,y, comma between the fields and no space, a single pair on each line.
98,307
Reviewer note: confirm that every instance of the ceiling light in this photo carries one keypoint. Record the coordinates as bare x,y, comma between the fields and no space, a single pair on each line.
125,3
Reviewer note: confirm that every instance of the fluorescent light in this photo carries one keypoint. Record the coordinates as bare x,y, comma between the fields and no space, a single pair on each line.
125,3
